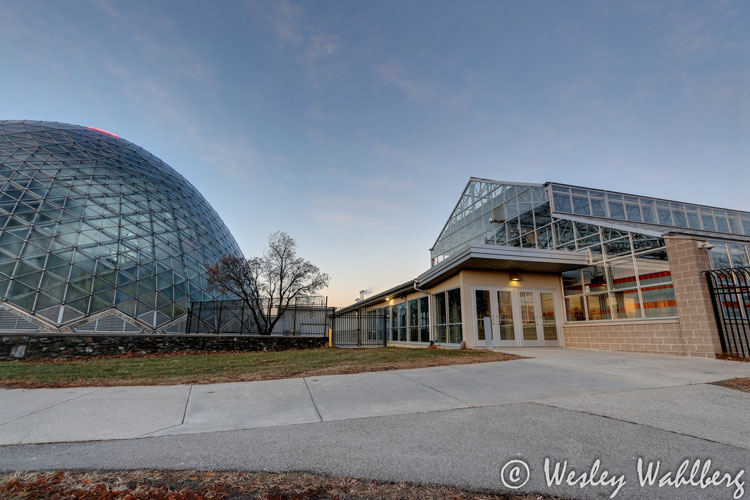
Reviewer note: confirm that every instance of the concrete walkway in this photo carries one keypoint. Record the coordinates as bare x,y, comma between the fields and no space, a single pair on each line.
656,390
449,425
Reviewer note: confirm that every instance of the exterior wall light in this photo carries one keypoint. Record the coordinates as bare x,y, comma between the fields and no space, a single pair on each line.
515,277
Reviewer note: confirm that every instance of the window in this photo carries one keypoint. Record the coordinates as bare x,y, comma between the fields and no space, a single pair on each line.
598,306
401,321
719,256
616,210
580,202
574,309
659,301
414,320
424,319
633,286
448,317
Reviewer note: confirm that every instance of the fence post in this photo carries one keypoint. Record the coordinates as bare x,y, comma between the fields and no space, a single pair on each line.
333,325
359,327
385,333
719,318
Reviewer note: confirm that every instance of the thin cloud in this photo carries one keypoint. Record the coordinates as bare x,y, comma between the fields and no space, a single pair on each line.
429,93
314,48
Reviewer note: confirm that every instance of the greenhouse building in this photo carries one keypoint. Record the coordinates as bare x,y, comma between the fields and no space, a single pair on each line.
557,265
99,235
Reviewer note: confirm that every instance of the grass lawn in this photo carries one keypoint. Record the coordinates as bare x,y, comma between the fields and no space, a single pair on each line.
193,485
206,368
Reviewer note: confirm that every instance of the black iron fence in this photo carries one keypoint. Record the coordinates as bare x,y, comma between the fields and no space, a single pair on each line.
308,316
730,294
353,329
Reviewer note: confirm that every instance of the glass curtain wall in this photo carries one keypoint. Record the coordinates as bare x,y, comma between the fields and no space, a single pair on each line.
405,322
447,317
726,254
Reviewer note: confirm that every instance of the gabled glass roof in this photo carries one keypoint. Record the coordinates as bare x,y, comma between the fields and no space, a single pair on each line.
552,215
482,196
645,210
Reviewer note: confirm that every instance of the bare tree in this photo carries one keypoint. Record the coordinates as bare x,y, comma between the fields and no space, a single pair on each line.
273,281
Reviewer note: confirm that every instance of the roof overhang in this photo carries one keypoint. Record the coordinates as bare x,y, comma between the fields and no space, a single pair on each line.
391,293
500,258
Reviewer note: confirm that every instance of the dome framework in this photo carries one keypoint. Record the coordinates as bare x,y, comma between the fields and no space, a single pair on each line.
98,234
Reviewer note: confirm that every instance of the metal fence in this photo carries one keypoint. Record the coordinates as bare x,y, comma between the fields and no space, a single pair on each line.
308,316
359,330
730,294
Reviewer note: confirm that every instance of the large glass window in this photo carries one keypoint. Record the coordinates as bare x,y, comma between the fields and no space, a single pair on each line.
626,287
719,255
659,301
414,320
598,306
482,298
574,309
448,317
401,308
424,319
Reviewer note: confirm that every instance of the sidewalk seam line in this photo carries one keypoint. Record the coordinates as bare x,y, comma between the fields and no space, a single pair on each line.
184,413
47,408
315,405
615,419
468,405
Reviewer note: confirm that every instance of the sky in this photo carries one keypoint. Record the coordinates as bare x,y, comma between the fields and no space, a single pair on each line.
354,125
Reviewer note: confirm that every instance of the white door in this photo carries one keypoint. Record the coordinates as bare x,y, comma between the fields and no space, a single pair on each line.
538,318
518,317
499,305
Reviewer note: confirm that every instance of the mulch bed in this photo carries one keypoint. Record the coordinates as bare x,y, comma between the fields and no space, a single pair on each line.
732,357
193,485
739,384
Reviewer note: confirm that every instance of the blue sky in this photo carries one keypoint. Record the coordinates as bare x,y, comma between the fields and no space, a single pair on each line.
354,125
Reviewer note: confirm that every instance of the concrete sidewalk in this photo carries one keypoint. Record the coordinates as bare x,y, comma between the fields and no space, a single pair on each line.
659,391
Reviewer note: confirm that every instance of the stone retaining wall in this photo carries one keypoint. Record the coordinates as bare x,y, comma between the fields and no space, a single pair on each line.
51,346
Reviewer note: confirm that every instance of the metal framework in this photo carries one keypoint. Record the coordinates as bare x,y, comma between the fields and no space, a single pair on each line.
306,316
352,329
730,294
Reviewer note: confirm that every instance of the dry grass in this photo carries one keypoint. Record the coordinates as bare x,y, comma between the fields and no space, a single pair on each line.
194,485
740,384
208,368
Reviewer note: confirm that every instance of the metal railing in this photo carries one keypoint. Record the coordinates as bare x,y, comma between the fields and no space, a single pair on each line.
359,330
307,316
730,295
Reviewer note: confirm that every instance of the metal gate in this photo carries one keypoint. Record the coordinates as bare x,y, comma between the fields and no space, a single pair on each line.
730,294
353,329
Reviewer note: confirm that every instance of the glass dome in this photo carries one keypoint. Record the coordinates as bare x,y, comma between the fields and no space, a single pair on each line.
98,234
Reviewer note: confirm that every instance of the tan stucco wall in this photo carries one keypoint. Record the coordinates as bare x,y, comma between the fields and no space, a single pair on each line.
470,279
693,334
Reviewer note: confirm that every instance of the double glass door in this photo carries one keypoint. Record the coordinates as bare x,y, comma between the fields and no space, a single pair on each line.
517,317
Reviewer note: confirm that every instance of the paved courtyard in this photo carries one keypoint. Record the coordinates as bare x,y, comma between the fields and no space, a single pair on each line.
454,425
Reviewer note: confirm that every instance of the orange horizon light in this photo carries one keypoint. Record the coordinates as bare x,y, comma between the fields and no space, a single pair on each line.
103,131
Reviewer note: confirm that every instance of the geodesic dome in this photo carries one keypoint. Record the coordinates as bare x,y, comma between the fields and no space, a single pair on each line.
98,234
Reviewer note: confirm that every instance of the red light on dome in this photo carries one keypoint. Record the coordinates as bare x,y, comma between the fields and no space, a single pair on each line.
103,131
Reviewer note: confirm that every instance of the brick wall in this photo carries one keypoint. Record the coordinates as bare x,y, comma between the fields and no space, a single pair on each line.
686,263
655,336
49,346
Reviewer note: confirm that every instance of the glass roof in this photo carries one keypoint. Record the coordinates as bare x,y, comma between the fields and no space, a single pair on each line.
645,210
91,222
553,215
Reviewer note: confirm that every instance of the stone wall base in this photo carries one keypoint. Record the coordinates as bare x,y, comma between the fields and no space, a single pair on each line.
51,346
652,336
